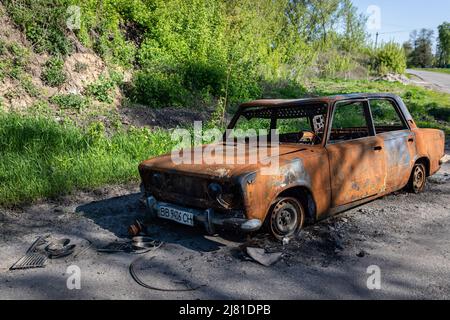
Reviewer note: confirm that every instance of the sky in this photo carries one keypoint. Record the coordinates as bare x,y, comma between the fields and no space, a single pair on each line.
397,18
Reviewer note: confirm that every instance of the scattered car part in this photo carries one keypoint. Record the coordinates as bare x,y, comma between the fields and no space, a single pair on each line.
116,246
59,248
261,256
36,256
32,259
138,244
144,243
145,285
85,248
136,228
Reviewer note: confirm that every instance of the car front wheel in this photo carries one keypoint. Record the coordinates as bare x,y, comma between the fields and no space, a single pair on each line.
286,217
418,178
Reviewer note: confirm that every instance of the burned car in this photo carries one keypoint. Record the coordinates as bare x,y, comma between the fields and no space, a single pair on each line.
332,154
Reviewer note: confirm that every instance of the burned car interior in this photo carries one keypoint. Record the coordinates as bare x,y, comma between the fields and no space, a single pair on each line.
304,123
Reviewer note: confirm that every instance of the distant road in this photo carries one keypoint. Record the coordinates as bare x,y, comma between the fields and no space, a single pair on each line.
435,80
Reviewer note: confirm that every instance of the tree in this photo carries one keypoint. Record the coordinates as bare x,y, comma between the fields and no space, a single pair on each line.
354,26
422,53
443,48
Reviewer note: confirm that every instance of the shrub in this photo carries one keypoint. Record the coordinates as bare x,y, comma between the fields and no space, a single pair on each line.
28,86
43,23
69,101
53,73
158,89
201,76
390,57
18,60
102,89
438,113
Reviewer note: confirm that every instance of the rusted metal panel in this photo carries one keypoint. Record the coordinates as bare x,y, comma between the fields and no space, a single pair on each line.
358,169
430,144
400,150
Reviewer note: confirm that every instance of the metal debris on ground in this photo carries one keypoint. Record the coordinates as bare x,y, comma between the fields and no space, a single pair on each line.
59,248
136,228
261,256
32,258
138,244
43,249
142,244
116,246
153,287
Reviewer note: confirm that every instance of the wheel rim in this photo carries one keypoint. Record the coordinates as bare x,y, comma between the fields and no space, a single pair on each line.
418,178
285,217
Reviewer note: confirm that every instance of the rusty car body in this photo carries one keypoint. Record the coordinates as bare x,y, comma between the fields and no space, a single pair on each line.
341,165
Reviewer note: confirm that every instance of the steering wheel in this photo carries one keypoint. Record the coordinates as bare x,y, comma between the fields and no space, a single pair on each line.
315,137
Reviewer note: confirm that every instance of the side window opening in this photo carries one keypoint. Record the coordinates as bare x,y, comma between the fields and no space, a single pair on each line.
349,122
386,117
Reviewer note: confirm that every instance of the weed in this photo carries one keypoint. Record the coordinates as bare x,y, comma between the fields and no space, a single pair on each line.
102,89
80,67
28,86
53,73
69,101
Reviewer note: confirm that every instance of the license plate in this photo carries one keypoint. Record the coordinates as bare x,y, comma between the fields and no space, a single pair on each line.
179,216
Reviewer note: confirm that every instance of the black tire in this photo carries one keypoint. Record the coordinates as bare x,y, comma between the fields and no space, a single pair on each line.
418,178
286,217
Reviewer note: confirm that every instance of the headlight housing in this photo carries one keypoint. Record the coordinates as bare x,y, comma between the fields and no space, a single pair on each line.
214,190
226,198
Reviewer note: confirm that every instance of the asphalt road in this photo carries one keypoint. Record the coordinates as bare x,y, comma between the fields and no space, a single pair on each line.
435,80
404,235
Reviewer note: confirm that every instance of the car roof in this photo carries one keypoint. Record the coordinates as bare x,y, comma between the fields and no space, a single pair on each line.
324,99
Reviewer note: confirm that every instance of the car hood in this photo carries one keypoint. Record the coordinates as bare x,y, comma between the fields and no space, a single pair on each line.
207,168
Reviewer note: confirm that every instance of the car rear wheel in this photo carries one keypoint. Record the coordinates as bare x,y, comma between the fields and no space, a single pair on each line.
418,178
286,217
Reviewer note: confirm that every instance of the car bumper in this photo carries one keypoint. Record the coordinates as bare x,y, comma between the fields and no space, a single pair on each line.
208,217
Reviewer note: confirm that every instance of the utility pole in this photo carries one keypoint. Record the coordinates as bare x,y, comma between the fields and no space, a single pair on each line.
376,40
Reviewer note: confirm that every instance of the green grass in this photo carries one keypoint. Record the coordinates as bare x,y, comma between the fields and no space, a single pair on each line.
440,70
41,158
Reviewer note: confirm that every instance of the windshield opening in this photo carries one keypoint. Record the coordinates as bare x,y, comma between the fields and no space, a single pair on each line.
303,124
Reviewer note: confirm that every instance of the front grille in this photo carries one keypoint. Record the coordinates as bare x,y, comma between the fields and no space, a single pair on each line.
189,190
189,186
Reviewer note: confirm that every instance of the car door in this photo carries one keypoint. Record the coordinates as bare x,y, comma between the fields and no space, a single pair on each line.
398,139
355,153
